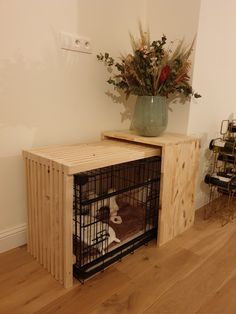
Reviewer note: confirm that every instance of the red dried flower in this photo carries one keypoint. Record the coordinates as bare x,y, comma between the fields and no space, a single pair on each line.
165,72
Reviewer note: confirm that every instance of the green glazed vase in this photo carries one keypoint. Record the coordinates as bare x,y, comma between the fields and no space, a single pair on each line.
150,115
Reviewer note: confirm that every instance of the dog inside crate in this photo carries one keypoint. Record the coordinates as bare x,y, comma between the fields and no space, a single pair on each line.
113,205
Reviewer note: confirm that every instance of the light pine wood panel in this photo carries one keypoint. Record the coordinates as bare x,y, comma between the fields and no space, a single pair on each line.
82,157
164,139
67,231
50,194
29,195
178,179
179,171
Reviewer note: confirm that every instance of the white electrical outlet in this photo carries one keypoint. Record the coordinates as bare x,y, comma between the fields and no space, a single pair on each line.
75,43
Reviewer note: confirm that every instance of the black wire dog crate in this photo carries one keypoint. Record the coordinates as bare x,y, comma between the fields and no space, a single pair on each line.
115,212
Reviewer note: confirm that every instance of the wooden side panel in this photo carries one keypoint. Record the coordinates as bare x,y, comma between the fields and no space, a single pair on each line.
162,140
49,207
178,178
186,181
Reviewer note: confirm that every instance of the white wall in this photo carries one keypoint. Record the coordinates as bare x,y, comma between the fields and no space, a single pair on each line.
177,20
50,96
214,78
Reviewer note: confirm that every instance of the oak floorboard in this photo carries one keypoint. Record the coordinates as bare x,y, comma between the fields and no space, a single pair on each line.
24,285
188,294
194,273
223,300
85,298
146,287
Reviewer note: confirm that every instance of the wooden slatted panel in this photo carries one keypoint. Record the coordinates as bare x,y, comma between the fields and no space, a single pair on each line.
49,203
83,157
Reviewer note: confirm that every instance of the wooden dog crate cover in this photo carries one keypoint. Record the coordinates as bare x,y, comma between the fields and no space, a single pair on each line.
49,174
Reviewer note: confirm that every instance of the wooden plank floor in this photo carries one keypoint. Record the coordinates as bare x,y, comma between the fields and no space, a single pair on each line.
194,273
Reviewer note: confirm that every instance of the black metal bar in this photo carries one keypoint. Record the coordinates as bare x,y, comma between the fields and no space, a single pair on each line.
104,196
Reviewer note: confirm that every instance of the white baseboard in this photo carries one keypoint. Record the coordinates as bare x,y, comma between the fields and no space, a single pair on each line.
12,237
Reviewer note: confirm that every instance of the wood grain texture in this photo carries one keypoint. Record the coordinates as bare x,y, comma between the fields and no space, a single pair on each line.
163,140
194,273
82,157
49,207
67,231
179,170
29,225
178,180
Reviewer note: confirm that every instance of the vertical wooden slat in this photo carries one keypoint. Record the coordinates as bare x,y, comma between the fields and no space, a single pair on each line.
47,215
33,208
39,188
67,230
44,211
56,221
52,218
28,189
36,209
61,226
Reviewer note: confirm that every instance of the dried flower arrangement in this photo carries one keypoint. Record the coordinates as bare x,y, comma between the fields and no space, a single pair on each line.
152,69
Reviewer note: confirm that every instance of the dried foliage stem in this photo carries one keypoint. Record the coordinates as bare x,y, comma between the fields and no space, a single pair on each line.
152,69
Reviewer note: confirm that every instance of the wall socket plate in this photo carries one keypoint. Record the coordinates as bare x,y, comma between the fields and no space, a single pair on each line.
75,43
